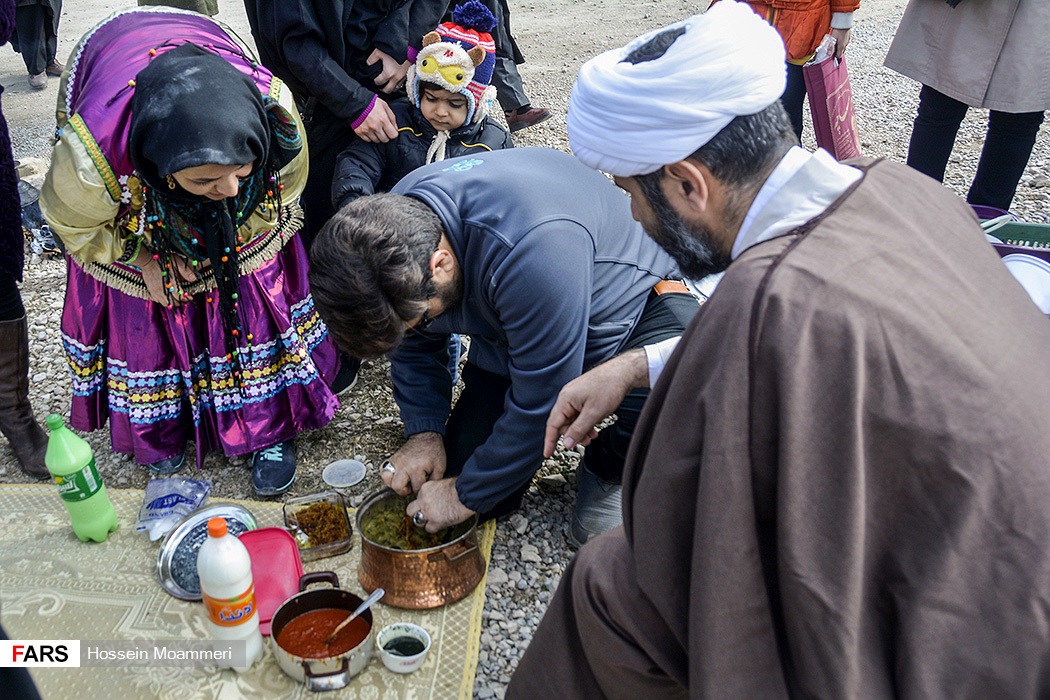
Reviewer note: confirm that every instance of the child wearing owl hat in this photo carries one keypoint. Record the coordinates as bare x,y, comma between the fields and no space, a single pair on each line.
446,113
459,56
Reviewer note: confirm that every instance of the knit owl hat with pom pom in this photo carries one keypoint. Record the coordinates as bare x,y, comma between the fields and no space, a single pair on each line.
459,56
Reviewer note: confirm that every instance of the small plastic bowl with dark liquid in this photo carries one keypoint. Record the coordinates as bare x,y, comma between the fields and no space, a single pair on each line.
403,646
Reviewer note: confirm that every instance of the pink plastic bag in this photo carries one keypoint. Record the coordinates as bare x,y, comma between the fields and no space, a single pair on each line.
831,106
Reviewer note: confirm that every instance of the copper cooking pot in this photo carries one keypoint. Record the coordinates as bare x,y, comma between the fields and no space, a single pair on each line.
419,579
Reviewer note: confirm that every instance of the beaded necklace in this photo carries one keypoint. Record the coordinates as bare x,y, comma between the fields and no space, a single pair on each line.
199,229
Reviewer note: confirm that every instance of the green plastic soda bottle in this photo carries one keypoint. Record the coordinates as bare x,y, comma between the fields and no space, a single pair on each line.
72,464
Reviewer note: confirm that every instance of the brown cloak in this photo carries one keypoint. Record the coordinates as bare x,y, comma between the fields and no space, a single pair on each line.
839,487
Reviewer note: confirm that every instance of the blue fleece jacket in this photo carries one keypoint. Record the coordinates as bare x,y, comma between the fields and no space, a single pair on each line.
555,276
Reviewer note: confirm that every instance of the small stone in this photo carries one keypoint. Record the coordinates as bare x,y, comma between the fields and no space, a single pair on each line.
497,577
522,585
515,575
39,377
1039,181
520,523
553,481
530,553
496,616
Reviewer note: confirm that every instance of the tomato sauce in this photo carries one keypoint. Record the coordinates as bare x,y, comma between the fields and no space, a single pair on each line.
304,636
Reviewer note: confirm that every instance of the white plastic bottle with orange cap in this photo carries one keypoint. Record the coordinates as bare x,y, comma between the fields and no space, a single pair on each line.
225,571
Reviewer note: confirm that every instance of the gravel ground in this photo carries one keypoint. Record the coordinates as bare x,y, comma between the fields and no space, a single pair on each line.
531,549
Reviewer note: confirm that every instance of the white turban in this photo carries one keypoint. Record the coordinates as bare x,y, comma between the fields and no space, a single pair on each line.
633,118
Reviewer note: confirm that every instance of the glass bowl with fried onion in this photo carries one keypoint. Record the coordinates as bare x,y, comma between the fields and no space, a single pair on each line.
320,524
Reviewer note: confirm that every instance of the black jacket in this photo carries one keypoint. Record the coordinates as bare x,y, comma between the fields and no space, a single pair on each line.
320,47
366,168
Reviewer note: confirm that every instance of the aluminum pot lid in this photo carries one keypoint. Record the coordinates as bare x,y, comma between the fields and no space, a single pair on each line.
177,559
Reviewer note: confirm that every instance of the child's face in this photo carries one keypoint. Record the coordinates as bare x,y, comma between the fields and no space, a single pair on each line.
443,109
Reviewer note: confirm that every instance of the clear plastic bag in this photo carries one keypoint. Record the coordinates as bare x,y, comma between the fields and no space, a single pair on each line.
167,501
825,51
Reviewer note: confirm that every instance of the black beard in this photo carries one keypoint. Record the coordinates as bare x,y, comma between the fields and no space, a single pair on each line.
694,248
451,294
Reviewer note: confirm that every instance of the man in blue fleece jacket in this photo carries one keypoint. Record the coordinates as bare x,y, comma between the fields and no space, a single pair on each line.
537,259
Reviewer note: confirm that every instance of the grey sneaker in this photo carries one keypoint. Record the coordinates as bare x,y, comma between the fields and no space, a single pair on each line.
37,81
273,469
598,507
171,465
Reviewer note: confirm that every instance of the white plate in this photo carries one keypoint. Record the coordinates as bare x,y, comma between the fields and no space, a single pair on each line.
1034,275
344,473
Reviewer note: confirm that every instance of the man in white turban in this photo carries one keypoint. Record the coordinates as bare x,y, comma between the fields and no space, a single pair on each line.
633,117
838,485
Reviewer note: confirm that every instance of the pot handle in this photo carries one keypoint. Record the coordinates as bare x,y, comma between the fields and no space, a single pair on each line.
318,577
447,552
335,680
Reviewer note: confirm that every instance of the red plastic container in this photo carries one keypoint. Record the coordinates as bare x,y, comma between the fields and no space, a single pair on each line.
276,568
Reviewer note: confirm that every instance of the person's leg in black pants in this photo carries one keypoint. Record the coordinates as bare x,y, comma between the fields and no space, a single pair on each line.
933,134
11,308
510,92
598,480
505,76
794,97
471,423
32,43
664,317
327,136
1007,148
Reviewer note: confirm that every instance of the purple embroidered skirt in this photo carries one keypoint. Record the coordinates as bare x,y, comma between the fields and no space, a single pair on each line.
161,377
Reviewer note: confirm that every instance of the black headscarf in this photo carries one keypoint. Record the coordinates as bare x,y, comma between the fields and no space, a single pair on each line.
191,108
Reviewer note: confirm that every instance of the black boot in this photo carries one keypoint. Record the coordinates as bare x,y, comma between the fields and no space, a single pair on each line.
17,423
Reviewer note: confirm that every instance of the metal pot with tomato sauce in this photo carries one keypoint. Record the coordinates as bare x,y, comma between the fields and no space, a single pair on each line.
302,624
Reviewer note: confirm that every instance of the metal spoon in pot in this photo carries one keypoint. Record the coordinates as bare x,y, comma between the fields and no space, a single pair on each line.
365,605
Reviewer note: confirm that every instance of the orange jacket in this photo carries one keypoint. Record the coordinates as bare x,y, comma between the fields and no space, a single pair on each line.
801,23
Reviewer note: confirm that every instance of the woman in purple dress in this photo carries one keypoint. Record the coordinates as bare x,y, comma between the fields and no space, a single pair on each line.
174,187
